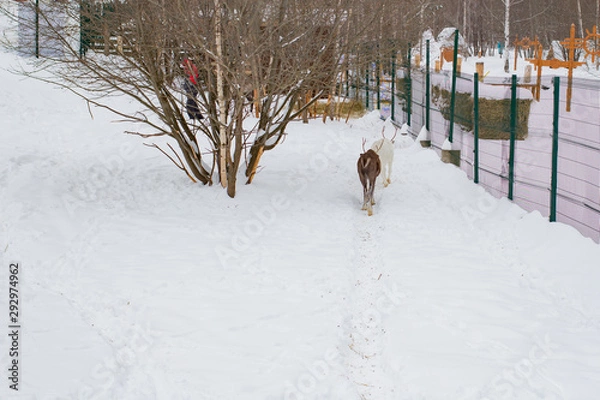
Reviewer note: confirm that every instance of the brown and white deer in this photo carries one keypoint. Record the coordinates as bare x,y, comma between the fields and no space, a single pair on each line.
369,167
384,148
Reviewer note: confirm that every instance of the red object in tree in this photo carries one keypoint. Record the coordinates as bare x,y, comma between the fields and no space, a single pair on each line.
190,70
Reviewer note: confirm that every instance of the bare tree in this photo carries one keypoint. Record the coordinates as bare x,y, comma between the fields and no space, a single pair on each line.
263,54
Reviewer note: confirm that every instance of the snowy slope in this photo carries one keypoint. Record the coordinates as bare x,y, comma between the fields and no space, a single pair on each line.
137,284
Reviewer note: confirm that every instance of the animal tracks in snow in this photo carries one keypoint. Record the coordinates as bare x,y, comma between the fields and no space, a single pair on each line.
370,303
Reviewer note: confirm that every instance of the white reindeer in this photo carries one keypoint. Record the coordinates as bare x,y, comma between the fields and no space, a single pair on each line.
384,148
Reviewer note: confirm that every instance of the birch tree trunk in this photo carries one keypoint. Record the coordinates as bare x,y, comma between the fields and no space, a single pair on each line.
222,162
580,18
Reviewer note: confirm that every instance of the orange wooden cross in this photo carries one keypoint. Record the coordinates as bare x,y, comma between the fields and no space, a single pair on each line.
526,44
571,43
594,37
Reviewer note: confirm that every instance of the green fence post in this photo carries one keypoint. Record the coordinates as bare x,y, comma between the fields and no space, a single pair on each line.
347,83
85,22
427,87
393,95
453,93
378,82
513,136
476,128
37,28
80,29
554,179
409,90
81,33
367,89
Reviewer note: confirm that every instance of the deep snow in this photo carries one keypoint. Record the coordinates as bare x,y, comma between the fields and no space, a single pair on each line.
137,284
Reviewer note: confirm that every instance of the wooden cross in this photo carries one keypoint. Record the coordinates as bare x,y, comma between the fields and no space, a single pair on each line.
571,43
526,44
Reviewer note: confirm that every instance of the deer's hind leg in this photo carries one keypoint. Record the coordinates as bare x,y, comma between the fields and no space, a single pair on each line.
372,192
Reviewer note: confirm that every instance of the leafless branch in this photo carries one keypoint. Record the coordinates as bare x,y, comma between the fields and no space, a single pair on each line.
179,163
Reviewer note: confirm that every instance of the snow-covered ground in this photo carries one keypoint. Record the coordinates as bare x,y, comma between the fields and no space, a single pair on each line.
135,283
